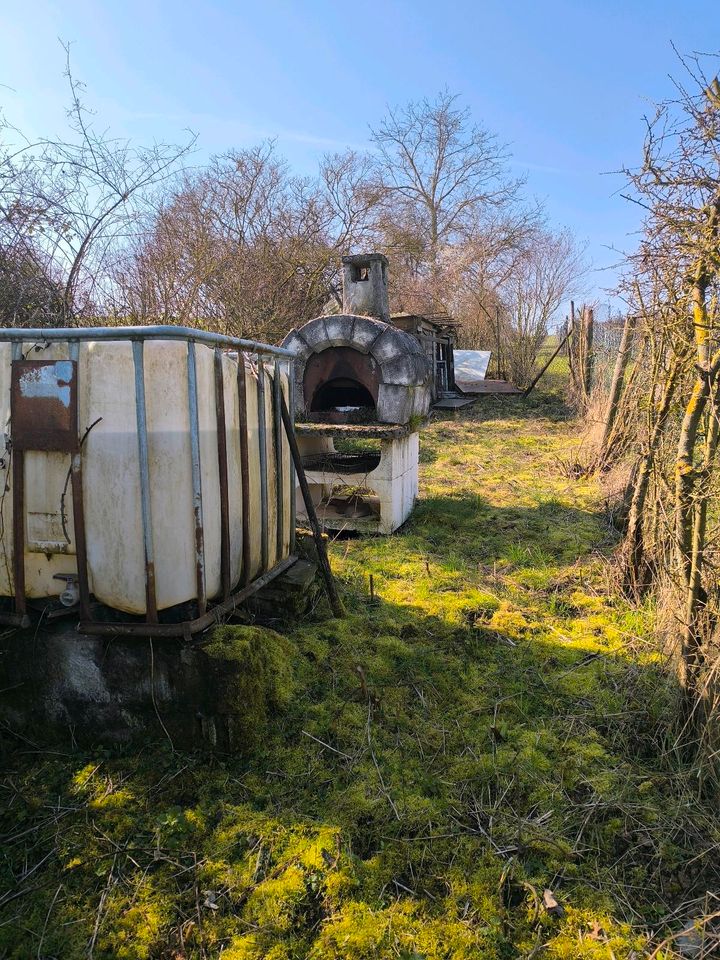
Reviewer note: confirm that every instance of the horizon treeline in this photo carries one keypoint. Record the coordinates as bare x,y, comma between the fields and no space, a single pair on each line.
92,227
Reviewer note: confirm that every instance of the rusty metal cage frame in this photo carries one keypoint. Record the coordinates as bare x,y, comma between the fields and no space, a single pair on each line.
207,613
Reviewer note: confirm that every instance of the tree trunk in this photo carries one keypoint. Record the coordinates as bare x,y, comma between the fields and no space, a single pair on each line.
589,335
691,493
580,353
616,387
636,573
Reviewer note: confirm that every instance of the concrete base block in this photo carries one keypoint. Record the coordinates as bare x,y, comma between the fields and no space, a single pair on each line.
392,486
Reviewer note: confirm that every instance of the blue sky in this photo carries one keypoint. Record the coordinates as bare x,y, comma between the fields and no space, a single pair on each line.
566,85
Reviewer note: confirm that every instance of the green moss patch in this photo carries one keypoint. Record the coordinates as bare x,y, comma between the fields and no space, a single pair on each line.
416,775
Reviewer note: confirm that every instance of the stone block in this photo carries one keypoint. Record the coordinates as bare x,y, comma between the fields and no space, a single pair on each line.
395,343
339,329
314,333
365,333
421,400
296,342
394,404
407,370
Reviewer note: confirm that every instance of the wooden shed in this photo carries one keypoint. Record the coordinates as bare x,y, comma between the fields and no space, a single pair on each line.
437,334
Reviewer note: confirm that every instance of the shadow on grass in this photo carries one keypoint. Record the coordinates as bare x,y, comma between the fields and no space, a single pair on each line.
469,526
551,405
423,779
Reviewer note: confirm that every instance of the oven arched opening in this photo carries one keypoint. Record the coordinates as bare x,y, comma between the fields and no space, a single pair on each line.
341,394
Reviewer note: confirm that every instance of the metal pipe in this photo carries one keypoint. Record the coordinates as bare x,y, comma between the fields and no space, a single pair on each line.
196,479
223,475
141,417
262,441
293,507
170,332
244,467
278,437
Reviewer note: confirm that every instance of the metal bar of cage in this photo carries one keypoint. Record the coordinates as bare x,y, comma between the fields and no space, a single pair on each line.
262,440
196,479
170,332
79,509
146,510
17,465
79,531
278,437
18,507
244,469
223,474
187,627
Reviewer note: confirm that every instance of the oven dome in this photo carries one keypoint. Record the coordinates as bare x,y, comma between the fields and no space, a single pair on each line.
347,363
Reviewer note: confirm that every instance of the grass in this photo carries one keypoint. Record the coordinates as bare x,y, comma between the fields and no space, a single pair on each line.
496,726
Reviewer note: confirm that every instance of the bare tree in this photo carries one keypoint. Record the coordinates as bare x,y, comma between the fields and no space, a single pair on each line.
246,247
676,285
532,294
67,206
439,175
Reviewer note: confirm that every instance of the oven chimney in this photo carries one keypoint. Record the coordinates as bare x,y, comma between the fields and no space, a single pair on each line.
365,288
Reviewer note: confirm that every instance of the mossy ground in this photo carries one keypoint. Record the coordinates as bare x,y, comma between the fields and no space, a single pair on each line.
496,725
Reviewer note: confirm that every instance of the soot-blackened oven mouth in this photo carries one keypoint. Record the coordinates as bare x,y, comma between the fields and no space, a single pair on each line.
341,386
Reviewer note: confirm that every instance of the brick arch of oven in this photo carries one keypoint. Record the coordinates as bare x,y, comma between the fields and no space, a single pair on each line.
386,362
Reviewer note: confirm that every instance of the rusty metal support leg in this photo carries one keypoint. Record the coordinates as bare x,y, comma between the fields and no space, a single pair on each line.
335,602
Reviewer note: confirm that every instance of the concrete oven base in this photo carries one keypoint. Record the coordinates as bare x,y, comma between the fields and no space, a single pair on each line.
368,493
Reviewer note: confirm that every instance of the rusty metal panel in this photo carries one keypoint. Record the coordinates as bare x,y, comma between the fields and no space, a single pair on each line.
44,406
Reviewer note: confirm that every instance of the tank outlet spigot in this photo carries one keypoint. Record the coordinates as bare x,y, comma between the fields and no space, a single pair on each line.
70,596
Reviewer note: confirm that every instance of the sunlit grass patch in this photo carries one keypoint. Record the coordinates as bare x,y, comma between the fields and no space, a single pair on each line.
491,727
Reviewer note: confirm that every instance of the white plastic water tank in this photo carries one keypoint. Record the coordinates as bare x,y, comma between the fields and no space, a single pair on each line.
112,502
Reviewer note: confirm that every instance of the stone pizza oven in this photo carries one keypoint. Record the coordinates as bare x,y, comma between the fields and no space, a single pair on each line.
359,377
355,367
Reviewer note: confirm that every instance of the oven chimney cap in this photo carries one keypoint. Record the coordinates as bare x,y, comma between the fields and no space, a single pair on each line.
365,287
